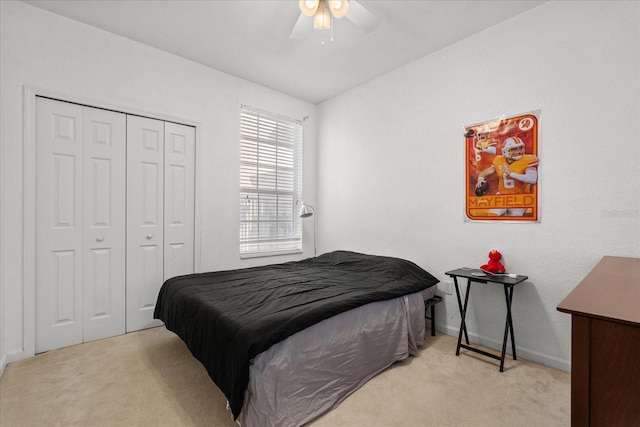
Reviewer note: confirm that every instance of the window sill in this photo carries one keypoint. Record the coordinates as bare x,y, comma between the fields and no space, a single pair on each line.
268,254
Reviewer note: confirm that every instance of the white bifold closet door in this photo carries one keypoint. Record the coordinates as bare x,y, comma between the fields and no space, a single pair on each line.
114,219
160,212
80,224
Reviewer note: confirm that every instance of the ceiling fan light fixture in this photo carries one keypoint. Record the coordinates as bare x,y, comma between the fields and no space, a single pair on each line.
309,7
339,8
322,17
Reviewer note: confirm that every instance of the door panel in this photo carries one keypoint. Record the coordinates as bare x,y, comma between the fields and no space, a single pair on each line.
63,288
58,275
145,234
149,287
105,223
65,172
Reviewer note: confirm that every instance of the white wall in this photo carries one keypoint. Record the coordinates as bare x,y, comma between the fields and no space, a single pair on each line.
43,50
390,156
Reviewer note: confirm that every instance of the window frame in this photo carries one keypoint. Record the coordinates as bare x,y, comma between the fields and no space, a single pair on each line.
271,164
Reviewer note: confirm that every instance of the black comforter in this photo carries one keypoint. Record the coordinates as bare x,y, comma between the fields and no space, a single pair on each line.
228,317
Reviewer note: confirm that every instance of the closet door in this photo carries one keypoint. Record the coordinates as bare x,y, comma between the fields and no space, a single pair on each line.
160,212
80,224
179,194
145,219
104,223
59,162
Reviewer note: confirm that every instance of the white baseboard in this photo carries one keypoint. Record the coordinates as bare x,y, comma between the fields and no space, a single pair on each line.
3,363
523,352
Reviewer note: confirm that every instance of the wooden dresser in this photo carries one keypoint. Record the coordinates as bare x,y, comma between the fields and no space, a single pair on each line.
605,344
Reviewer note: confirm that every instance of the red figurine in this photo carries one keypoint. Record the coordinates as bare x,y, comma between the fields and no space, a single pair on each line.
494,265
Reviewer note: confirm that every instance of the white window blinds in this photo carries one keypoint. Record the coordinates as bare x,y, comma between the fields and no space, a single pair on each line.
270,183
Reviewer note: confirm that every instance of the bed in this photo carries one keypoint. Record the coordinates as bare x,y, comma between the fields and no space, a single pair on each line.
288,342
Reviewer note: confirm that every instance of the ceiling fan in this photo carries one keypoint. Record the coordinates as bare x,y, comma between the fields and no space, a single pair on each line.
319,14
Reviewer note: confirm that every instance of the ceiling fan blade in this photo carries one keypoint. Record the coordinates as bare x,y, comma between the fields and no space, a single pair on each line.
302,27
361,17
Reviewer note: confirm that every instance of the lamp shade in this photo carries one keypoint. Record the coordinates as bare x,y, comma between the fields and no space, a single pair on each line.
306,210
309,7
339,7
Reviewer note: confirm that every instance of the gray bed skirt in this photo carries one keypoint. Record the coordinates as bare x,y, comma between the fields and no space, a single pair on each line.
312,371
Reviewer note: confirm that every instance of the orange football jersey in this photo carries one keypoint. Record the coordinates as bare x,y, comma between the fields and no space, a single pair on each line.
508,185
483,159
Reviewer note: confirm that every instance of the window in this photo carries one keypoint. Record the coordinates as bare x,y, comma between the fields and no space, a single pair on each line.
270,183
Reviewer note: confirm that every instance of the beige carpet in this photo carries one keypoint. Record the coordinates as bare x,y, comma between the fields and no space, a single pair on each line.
149,378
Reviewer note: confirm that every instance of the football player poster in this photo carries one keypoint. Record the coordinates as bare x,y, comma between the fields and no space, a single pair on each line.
501,163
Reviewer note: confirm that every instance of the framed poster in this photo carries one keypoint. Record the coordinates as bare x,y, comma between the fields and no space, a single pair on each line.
501,169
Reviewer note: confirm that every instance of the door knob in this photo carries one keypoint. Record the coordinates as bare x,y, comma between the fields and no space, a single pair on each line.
149,236
99,239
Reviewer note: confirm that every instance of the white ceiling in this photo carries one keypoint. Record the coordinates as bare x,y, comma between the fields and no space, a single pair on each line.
250,38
